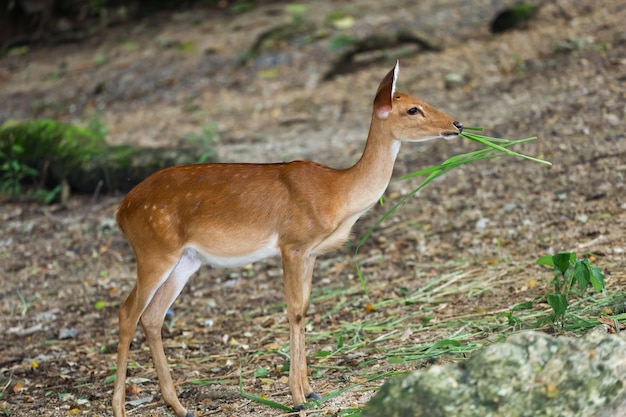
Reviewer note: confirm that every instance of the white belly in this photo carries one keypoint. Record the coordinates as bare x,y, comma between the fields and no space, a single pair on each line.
270,249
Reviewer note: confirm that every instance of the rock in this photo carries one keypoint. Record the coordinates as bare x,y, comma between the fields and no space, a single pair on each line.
529,374
68,333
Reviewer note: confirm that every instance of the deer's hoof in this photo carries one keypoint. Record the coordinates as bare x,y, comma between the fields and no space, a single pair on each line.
314,396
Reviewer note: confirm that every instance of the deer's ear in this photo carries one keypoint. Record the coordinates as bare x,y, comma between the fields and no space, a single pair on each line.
386,90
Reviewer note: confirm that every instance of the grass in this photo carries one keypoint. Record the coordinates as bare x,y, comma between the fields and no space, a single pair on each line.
367,344
493,143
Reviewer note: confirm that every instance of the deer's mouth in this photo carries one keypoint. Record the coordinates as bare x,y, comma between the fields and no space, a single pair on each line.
449,135
453,134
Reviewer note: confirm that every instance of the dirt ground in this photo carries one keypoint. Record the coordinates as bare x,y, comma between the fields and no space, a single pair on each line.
64,271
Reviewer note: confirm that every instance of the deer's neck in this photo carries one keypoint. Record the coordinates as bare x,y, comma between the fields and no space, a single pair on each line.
367,180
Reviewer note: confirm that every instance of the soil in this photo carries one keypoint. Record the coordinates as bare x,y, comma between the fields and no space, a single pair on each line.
65,270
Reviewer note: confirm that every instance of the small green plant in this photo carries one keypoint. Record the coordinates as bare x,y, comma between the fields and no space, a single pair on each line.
48,196
13,172
340,42
205,140
569,271
296,11
510,317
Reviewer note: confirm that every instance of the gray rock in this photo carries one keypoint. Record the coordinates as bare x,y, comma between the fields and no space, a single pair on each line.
530,374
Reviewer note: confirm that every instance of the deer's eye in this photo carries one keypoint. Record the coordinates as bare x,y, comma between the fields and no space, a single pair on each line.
414,110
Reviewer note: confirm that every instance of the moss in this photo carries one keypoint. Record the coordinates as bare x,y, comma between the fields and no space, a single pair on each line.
48,146
48,153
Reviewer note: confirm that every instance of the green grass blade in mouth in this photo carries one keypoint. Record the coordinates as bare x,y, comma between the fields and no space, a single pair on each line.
491,142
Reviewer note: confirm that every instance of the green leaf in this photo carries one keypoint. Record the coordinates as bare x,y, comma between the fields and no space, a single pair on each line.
597,278
340,342
442,344
562,261
523,306
558,302
570,277
582,274
321,354
344,23
260,372
546,260
296,9
269,403
205,382
29,171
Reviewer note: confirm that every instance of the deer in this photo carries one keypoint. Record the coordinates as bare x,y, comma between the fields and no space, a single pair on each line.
233,214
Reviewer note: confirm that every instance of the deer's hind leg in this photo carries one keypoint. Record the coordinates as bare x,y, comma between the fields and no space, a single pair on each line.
152,322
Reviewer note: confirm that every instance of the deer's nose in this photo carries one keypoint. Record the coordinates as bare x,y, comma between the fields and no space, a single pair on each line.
458,125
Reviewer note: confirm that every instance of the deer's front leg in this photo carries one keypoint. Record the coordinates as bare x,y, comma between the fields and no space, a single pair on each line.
297,275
